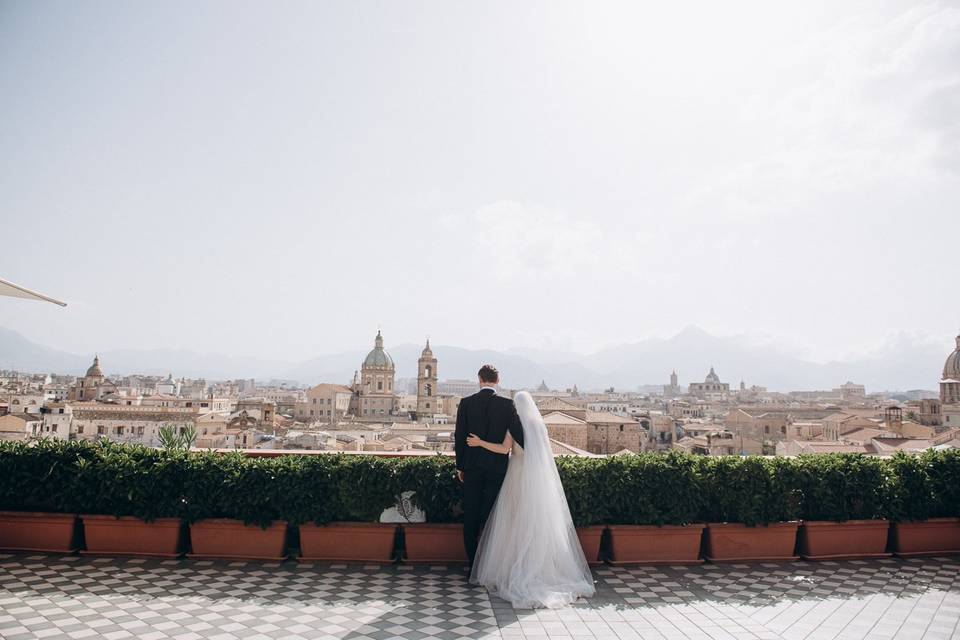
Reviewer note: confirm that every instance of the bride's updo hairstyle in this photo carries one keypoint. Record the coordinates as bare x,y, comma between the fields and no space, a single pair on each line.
489,374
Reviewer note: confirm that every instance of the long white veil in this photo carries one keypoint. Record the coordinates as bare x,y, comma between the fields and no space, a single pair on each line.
529,552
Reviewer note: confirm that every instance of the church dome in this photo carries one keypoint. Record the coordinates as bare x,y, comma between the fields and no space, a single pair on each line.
378,357
426,353
712,377
94,371
951,369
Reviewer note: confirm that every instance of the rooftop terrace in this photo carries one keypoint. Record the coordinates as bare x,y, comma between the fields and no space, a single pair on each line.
114,598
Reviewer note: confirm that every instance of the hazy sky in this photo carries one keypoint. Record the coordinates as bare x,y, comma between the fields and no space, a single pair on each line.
280,178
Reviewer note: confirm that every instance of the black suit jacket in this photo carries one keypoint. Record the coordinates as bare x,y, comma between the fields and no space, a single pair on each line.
490,417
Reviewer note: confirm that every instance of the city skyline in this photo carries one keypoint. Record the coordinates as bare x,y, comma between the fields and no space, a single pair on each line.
272,183
627,367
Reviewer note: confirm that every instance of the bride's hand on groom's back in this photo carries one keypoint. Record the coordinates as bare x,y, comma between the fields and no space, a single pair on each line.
474,441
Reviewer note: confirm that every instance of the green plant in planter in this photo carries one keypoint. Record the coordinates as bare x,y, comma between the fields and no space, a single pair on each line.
41,476
253,490
842,487
130,480
650,489
924,486
582,487
943,469
435,487
751,490
363,487
311,493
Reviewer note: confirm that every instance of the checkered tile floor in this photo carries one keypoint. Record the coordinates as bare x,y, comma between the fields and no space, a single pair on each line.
79,597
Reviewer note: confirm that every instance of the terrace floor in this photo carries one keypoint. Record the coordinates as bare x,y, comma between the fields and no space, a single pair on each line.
81,597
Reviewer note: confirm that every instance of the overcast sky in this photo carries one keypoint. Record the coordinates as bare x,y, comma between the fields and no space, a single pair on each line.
280,179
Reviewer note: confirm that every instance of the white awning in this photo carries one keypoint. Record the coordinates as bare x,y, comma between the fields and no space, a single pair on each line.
16,291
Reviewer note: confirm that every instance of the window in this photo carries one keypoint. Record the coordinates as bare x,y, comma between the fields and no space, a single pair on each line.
328,402
783,430
118,431
379,385
311,410
621,428
314,401
54,428
766,429
80,429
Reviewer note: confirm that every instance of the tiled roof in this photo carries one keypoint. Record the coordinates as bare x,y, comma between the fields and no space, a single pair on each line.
605,417
558,417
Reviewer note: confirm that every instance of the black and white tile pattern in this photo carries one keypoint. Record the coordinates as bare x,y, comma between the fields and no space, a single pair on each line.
115,598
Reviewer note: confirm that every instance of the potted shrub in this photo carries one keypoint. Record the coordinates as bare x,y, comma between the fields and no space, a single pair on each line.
842,510
750,505
36,513
346,495
652,505
925,503
437,492
130,500
234,505
580,484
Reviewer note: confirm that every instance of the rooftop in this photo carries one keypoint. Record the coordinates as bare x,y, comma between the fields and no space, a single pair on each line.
83,597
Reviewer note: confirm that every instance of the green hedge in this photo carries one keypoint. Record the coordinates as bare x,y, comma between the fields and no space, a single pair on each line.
107,478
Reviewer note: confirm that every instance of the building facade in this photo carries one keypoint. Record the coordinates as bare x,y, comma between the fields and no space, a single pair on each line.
427,387
711,388
950,389
375,395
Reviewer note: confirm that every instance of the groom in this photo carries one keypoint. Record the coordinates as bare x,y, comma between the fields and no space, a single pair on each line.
488,416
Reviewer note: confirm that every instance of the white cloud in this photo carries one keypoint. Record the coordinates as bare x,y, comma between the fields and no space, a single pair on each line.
881,107
529,241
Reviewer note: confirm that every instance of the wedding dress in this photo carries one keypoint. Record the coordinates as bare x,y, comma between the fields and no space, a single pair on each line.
529,553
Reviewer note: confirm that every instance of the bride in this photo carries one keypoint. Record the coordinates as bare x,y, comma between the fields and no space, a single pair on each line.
529,552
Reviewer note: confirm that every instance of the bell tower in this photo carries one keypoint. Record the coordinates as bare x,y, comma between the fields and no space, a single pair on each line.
427,399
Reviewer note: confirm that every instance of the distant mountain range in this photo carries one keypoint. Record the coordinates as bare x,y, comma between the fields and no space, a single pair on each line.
902,364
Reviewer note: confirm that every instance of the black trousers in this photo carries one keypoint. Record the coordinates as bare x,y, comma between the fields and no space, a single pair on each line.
480,489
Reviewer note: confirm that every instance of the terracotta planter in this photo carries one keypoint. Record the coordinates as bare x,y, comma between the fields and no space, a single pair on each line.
226,538
932,537
590,538
844,540
434,543
643,544
110,536
729,542
347,542
30,531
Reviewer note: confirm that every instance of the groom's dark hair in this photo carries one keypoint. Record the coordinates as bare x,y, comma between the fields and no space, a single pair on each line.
489,373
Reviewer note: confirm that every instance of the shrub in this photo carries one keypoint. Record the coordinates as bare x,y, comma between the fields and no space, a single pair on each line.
751,490
125,480
129,480
924,486
943,469
649,488
233,486
581,484
363,486
435,487
842,487
41,476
